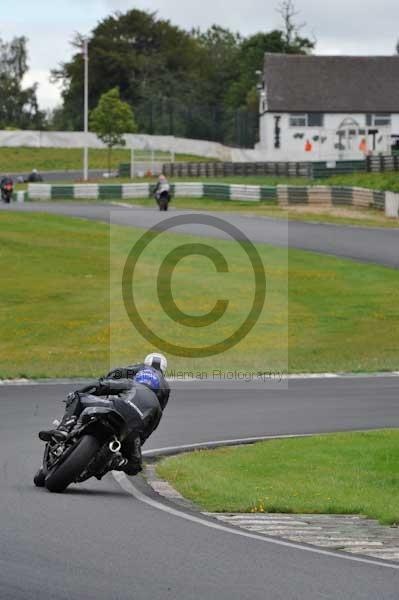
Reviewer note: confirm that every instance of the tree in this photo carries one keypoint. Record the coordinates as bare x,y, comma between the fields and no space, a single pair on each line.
242,89
218,52
293,42
196,84
18,106
111,119
148,59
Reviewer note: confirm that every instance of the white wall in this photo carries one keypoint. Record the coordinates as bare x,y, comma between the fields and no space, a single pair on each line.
293,148
67,139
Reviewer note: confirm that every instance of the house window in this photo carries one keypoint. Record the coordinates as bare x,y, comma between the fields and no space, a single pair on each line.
307,120
298,120
315,119
378,120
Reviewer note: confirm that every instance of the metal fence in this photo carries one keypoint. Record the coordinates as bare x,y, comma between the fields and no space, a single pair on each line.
167,116
310,170
379,164
243,169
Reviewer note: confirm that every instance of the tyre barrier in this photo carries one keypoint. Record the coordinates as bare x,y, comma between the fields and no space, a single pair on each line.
333,196
284,195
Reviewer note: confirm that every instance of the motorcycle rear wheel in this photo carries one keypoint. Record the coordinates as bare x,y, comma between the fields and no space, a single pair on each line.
163,205
68,471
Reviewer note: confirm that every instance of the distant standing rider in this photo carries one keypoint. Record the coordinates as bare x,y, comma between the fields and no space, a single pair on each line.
162,186
144,385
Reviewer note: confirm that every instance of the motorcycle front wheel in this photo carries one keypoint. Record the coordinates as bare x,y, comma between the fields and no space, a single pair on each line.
39,478
69,470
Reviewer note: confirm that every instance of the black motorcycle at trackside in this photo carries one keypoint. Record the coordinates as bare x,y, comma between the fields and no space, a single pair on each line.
163,200
91,447
7,189
163,196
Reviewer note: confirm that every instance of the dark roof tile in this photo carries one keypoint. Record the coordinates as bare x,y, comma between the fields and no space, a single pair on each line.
297,83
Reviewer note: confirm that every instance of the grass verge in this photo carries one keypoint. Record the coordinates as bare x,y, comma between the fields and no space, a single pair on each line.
388,181
346,473
321,313
24,159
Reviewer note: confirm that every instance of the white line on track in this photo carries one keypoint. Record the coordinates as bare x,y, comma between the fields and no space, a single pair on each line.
236,441
131,489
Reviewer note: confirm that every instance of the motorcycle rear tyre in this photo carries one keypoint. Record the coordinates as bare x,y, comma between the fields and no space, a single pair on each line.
67,472
163,203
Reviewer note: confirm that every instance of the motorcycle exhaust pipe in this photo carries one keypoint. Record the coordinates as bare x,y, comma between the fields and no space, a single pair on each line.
115,446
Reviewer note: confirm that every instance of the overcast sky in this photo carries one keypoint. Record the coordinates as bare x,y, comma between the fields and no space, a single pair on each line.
340,26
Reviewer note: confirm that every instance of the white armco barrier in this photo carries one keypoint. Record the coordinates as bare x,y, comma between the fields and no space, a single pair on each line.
250,193
391,204
39,191
189,190
135,190
85,190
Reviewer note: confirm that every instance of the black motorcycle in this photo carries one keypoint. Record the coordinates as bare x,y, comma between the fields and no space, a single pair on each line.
92,447
7,188
163,197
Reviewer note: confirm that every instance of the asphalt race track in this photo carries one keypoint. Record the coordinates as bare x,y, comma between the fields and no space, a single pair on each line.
359,243
97,541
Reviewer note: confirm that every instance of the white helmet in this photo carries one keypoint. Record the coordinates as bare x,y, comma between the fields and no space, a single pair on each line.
157,361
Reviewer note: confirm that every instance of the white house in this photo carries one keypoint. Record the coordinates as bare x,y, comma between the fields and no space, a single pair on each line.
328,107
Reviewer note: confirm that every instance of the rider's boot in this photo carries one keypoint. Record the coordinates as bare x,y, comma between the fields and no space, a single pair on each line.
132,450
62,430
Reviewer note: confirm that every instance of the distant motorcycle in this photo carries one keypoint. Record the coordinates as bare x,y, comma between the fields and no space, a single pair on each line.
91,449
163,195
7,188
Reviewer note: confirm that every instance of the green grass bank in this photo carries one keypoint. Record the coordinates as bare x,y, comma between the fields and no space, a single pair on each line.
24,159
62,314
345,473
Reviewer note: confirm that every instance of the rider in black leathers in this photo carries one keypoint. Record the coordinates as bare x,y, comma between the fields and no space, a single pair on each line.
6,195
143,386
34,177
